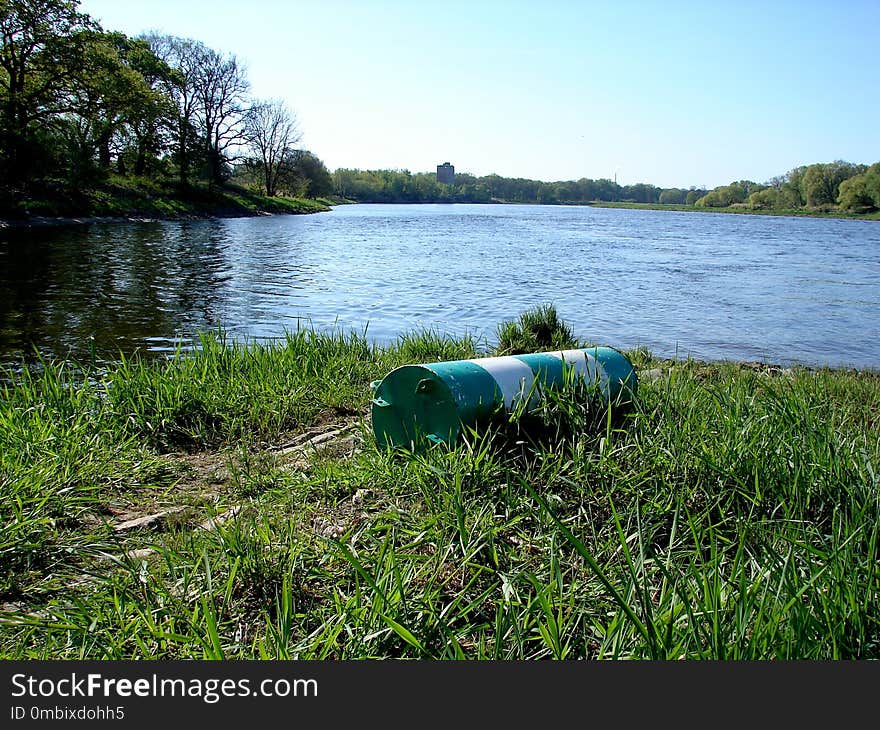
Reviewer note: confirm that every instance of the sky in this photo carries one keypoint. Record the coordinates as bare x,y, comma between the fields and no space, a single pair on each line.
676,94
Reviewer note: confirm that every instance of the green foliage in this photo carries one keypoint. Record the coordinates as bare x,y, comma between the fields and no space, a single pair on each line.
861,193
726,195
75,99
673,196
42,51
81,104
402,186
640,193
766,198
308,175
814,188
820,184
535,330
732,516
693,196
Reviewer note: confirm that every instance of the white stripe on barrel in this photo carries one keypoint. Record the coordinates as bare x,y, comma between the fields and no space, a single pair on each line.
585,366
513,376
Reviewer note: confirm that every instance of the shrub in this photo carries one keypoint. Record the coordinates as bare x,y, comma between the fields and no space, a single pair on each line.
535,330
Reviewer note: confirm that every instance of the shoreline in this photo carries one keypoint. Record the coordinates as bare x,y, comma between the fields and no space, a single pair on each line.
660,363
674,208
142,203
78,220
671,208
52,222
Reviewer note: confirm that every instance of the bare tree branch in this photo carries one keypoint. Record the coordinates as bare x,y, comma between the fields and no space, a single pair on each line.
271,133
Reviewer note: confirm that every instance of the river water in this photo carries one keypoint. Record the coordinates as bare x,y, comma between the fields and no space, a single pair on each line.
712,286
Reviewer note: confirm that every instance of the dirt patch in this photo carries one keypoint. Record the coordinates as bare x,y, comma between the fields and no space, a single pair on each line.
205,479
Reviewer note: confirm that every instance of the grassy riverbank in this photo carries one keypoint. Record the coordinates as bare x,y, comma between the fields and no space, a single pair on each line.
139,198
743,209
738,209
232,504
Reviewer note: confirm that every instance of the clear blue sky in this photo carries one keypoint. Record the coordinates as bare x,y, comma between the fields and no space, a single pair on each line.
670,93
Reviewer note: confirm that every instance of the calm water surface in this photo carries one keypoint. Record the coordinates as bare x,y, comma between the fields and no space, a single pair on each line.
713,286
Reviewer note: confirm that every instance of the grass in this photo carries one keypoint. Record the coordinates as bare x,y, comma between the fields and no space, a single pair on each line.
536,330
732,512
146,198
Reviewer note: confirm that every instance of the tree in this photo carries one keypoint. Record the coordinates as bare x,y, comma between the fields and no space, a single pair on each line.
606,190
153,114
789,189
640,193
271,132
108,97
42,50
861,193
211,92
767,198
820,184
222,94
724,195
566,192
672,196
181,55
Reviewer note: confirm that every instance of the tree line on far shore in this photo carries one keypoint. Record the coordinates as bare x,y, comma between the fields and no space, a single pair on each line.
820,187
80,106
402,186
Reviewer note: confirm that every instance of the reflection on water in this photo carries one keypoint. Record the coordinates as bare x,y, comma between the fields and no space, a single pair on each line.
709,285
105,289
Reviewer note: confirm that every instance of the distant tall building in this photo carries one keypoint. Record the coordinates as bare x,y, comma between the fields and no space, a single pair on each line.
446,174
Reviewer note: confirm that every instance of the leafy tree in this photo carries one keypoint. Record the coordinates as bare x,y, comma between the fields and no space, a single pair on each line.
181,56
546,195
641,193
861,193
313,176
820,184
767,198
693,195
42,50
726,195
788,189
211,94
107,98
855,195
566,192
605,190
153,113
672,196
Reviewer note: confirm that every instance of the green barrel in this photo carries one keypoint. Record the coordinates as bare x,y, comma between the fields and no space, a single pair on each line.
415,404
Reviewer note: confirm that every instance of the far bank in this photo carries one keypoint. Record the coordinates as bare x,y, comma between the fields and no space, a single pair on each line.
741,209
737,209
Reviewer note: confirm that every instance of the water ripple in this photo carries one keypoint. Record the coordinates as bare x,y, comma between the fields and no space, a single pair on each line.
708,285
